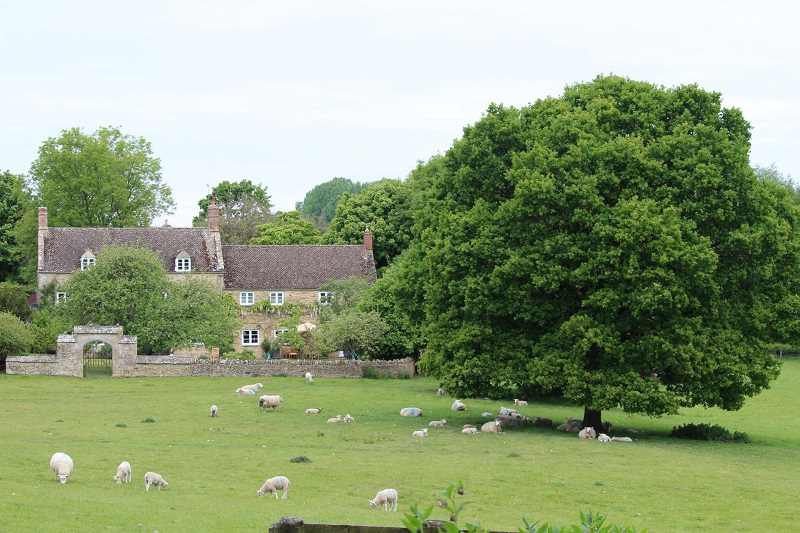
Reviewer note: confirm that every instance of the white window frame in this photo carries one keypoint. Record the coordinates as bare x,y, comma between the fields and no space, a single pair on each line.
279,330
61,297
324,297
183,264
250,335
86,262
276,298
247,298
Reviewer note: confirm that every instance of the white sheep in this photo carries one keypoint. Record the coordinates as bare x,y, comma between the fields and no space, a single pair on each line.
265,402
255,387
386,498
410,411
348,418
507,411
602,437
420,433
214,411
622,439
458,405
61,464
309,377
465,426
245,392
336,419
469,431
587,433
273,485
151,478
314,411
123,473
492,427
438,423
520,402
441,392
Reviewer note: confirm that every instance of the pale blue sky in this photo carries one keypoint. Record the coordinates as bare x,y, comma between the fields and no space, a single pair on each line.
292,94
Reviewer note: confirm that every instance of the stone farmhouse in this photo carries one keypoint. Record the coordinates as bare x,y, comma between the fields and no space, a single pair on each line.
279,274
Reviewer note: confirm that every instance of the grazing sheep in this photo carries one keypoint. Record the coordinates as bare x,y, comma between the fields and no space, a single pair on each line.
492,427
245,392
123,473
602,437
309,377
438,423
213,411
314,411
458,405
622,439
386,498
410,411
487,415
255,387
520,402
469,431
273,485
265,402
541,421
151,478
441,392
348,418
336,419
420,433
61,464
587,433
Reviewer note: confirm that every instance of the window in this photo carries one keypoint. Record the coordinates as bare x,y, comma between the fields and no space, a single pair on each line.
276,298
249,337
86,262
246,298
61,297
280,330
325,298
183,264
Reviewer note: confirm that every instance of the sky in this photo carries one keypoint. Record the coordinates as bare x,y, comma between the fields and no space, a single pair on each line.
292,94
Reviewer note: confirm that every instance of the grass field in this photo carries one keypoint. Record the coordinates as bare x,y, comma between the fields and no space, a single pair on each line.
215,466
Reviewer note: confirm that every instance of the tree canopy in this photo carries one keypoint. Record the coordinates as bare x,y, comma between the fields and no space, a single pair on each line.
243,206
15,202
319,204
107,179
287,228
611,246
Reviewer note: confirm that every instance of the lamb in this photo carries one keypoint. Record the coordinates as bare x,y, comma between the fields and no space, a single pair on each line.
622,439
520,402
410,411
314,411
541,421
245,392
492,427
438,423
441,392
420,433
587,433
255,387
273,485
151,478
265,402
214,411
336,419
386,498
309,377
123,473
602,437
458,405
61,464
469,431
348,418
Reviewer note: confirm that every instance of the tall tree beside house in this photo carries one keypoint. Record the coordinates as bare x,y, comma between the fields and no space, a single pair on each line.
107,179
611,246
243,207
319,204
15,202
287,228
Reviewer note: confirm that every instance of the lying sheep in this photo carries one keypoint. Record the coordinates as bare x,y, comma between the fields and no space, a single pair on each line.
487,415
571,424
265,402
520,402
314,411
255,387
420,433
465,426
441,392
151,478
469,431
273,485
602,437
410,411
123,473
458,405
507,421
492,427
336,419
386,498
541,421
213,411
587,433
348,418
61,464
622,439
437,423
507,411
245,392
309,377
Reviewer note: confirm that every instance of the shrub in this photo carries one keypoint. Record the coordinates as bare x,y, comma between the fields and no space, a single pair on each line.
148,421
300,459
15,338
708,432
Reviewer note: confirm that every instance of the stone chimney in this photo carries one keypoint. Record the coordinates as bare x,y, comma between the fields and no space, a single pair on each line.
367,239
42,218
213,215
40,251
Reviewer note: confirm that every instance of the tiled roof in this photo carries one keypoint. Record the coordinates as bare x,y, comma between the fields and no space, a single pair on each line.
63,247
282,267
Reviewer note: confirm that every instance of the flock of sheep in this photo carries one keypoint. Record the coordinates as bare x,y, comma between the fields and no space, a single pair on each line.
61,464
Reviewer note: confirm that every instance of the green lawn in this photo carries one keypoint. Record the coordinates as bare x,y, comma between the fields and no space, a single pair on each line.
215,466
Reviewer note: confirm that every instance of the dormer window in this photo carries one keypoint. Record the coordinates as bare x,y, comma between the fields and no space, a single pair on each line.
87,260
183,263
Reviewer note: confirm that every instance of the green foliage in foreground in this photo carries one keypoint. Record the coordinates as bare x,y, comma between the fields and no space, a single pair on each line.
215,465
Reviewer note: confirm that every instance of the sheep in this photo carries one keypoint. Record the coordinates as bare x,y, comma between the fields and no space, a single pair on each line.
386,498
309,377
438,423
509,421
214,411
410,411
520,402
273,485
123,473
602,437
541,421
571,424
255,387
420,433
314,411
469,431
441,392
587,433
458,405
507,411
492,427
336,419
151,478
61,464
348,418
245,392
465,426
622,439
265,402
487,415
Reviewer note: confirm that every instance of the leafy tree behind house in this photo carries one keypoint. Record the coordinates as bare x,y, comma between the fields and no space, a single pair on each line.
107,179
15,202
319,204
287,228
243,206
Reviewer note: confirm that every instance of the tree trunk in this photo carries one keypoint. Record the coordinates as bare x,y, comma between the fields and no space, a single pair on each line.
592,418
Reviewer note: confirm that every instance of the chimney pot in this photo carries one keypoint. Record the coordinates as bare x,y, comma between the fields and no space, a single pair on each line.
42,218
